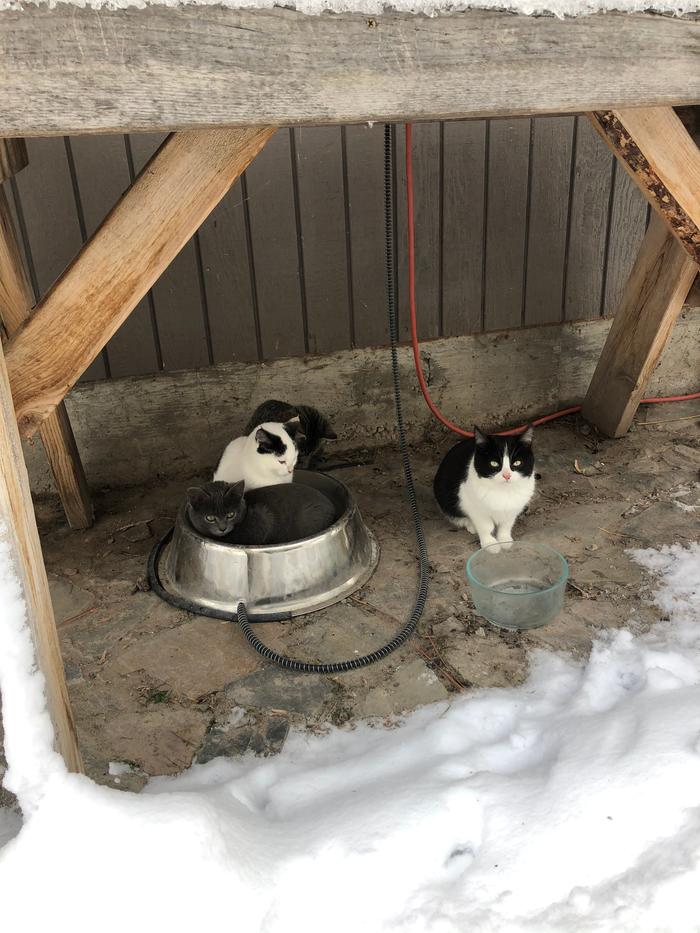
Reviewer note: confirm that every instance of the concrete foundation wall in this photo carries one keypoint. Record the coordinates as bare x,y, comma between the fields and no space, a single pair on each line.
136,429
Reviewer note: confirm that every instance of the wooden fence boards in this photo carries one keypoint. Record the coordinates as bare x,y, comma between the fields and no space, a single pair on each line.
519,221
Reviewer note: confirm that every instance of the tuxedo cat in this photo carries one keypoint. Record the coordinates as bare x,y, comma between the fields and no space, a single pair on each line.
268,515
315,427
265,456
485,483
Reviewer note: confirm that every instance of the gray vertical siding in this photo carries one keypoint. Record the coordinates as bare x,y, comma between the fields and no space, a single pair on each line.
518,222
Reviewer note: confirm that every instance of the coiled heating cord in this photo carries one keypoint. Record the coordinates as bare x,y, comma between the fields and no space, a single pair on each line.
241,615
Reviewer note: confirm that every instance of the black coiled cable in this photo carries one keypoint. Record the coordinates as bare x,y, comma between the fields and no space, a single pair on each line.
241,614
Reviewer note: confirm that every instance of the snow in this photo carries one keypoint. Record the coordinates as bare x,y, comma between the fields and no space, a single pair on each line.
560,8
570,803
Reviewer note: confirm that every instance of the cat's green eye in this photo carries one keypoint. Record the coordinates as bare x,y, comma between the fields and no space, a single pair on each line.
517,462
495,463
230,515
210,518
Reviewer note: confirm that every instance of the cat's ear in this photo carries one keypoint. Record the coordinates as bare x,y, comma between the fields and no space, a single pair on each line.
196,496
265,441
235,490
292,427
328,432
526,436
479,437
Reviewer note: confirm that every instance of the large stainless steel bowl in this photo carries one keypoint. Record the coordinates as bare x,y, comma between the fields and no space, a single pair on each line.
291,578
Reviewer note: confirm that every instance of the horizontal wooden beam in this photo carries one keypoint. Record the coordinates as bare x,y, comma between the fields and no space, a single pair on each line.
166,67
662,157
169,200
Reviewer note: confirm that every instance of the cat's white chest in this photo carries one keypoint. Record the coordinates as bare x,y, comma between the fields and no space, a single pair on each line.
479,496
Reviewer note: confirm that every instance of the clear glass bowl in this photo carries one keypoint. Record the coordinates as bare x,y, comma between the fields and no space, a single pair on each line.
520,587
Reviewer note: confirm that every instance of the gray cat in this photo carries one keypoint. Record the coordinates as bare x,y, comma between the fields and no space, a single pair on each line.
267,515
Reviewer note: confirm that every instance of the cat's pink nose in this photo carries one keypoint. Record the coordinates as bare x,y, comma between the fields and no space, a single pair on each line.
506,475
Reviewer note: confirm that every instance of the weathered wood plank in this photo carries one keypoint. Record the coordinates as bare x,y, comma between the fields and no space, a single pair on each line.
365,158
177,294
17,516
506,219
228,279
654,295
102,177
275,245
16,300
48,204
319,171
550,179
588,225
137,241
82,70
464,179
13,157
664,160
627,228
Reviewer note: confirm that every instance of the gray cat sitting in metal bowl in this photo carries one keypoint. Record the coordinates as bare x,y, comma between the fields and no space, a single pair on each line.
276,514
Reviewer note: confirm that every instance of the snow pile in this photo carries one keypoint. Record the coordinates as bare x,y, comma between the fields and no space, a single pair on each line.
572,803
560,8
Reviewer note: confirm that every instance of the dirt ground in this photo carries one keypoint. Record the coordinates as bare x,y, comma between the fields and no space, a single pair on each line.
157,688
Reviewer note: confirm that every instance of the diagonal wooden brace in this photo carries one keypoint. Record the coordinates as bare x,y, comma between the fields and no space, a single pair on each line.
663,159
169,200
16,300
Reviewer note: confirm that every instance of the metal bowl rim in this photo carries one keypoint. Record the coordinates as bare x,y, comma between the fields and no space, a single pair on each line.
335,528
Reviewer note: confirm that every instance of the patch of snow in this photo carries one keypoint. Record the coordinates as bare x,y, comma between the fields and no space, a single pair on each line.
31,760
570,803
559,8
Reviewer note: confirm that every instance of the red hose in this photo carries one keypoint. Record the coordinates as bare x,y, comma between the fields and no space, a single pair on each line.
414,327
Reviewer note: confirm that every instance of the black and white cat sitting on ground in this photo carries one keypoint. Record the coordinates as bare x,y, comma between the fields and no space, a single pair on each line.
314,427
268,515
485,483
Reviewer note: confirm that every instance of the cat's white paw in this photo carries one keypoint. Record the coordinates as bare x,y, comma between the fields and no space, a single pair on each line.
491,543
506,545
469,526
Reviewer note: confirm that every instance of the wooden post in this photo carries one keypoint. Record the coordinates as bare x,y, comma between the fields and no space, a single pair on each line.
174,193
657,287
17,514
16,300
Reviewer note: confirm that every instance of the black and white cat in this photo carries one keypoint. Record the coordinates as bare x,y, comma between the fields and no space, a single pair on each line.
265,456
315,427
485,483
268,515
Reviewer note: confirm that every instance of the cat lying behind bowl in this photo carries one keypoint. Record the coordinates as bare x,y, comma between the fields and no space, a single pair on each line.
264,456
267,515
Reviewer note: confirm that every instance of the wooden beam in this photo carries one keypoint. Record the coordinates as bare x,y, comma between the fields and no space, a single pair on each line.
169,200
17,516
663,159
657,287
16,300
67,69
13,157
